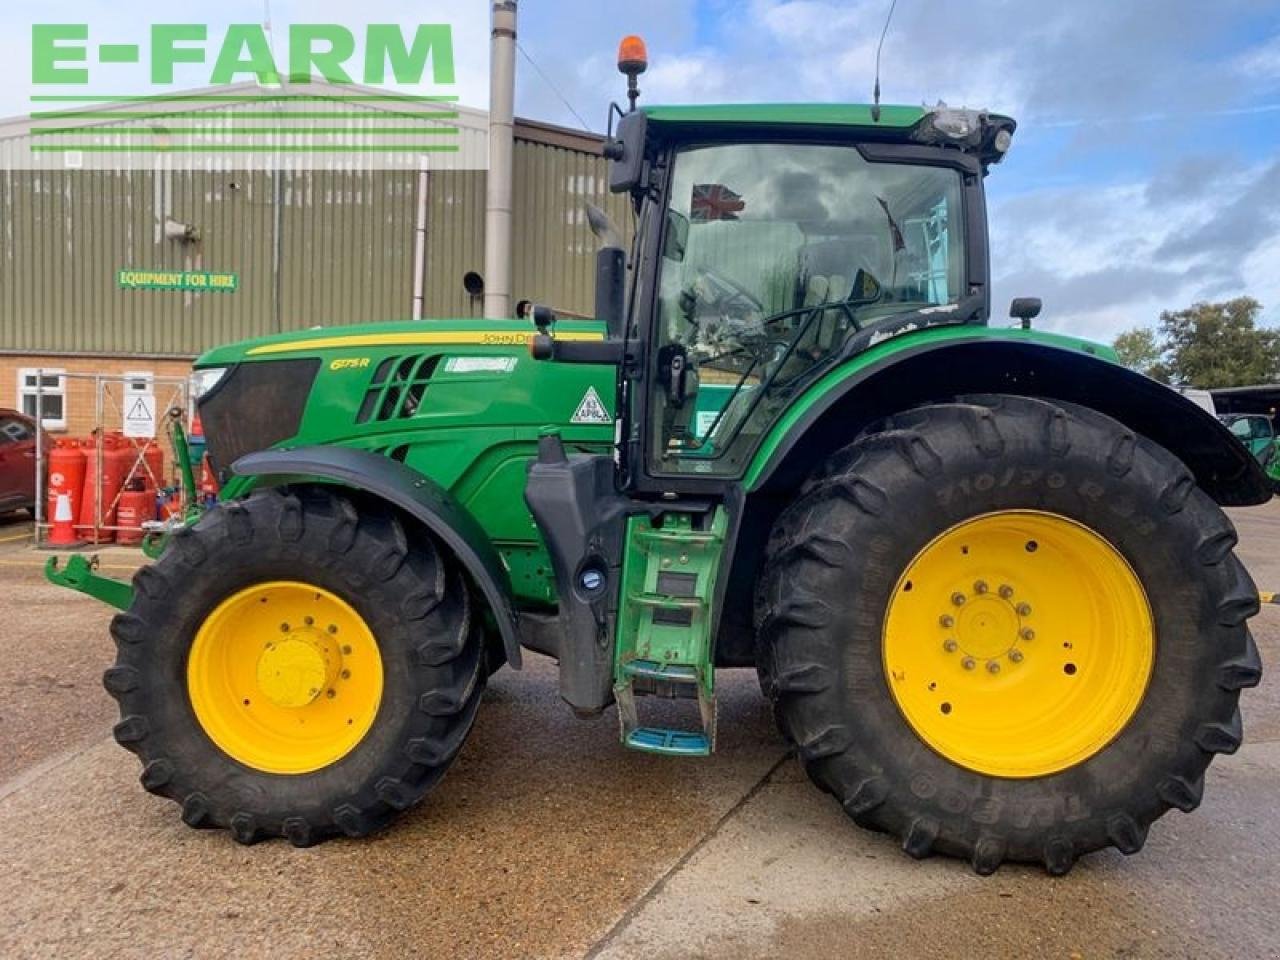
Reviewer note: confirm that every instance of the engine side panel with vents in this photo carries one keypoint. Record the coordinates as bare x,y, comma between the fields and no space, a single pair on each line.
462,402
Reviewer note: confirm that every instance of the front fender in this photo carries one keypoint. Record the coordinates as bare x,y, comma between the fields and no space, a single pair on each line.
418,496
947,363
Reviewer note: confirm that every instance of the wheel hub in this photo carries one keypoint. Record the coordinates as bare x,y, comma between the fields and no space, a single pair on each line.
987,627
294,671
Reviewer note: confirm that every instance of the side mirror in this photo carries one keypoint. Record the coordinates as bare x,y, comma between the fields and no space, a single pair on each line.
625,152
676,240
1025,309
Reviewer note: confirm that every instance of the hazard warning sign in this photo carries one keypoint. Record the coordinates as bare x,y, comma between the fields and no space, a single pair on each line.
591,409
140,415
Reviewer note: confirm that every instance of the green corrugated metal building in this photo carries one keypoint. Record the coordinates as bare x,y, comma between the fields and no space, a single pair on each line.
308,248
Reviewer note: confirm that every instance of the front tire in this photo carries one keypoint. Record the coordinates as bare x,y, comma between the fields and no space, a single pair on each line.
293,667
933,729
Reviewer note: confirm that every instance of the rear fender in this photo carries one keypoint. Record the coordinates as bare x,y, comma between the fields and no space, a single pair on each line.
417,495
840,405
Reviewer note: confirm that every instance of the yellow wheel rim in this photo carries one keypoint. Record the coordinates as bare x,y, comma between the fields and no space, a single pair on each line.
1018,644
285,677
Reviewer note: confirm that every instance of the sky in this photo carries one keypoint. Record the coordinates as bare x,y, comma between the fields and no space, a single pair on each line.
1144,175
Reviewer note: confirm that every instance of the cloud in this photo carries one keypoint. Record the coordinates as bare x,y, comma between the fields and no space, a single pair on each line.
1106,258
1233,229
1261,62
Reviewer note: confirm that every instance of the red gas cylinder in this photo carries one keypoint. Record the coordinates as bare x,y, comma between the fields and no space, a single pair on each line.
66,475
116,460
137,505
151,470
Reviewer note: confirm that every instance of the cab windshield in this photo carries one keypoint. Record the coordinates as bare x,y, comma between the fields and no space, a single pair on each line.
773,256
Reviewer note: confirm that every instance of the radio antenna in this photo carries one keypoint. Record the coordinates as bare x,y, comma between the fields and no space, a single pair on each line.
875,103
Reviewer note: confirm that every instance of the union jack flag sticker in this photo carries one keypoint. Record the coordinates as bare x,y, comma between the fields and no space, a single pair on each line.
714,201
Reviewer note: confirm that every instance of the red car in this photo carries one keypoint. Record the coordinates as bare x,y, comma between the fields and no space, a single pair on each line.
17,461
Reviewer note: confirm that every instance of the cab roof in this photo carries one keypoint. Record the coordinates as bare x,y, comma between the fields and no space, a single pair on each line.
824,114
979,133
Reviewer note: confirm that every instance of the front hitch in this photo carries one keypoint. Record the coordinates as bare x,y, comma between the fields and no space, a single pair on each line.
78,574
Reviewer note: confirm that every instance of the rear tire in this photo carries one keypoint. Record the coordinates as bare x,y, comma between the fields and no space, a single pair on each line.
416,606
833,571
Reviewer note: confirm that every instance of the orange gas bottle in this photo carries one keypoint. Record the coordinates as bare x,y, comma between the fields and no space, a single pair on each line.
66,475
117,457
151,470
137,504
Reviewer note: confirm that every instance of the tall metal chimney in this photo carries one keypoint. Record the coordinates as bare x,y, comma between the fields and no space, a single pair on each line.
497,216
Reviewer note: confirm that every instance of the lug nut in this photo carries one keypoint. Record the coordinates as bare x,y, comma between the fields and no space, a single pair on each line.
1015,656
347,650
1027,633
950,646
1005,591
1024,609
958,599
968,663
980,587
946,621
346,674
330,694
308,620
284,628
993,667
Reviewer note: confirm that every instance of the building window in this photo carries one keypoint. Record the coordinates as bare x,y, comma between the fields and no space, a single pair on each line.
51,388
138,381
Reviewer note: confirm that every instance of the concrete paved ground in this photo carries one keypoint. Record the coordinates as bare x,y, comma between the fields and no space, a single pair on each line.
548,840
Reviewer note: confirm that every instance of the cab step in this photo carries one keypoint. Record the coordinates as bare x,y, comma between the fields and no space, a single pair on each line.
664,628
675,743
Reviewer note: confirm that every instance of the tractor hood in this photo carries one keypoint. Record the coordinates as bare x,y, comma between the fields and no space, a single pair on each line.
442,386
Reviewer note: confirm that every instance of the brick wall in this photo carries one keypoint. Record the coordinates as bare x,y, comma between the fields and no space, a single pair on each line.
80,394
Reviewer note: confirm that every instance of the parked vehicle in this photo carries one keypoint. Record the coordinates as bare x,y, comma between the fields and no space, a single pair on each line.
984,574
1256,432
17,461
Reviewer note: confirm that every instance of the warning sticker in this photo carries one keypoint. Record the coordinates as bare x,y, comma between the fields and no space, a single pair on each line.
140,415
591,409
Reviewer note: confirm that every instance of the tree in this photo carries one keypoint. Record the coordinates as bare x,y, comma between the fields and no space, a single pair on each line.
1141,350
1212,345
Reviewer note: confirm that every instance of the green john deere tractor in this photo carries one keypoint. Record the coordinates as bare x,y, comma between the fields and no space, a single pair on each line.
984,574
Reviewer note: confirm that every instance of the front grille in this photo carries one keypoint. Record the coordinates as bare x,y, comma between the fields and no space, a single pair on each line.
254,407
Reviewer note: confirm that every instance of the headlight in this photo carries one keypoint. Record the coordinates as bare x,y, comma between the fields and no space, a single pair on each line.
956,124
202,381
